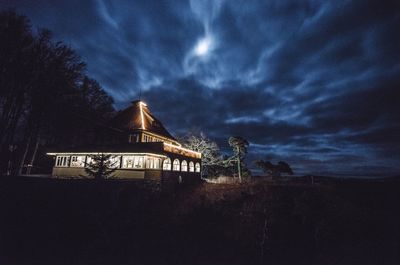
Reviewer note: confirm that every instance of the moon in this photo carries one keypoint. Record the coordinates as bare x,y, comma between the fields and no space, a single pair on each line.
203,46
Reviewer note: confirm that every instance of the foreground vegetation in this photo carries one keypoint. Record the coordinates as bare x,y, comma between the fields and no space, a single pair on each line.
47,221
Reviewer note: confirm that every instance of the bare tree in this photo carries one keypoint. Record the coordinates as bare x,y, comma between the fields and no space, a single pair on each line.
212,160
210,152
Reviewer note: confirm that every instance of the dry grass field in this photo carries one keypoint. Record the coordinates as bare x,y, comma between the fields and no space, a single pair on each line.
45,221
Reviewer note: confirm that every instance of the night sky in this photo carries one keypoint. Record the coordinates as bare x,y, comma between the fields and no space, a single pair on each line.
314,83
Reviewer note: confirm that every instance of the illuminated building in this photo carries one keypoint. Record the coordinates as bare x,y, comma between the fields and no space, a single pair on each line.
144,150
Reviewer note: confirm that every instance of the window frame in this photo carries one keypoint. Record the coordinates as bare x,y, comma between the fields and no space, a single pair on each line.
63,161
191,166
137,162
176,165
184,166
153,162
115,161
165,165
82,163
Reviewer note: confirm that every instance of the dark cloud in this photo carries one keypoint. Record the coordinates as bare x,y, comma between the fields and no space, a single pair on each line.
315,83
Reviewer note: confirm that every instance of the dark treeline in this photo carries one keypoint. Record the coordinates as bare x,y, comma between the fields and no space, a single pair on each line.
46,98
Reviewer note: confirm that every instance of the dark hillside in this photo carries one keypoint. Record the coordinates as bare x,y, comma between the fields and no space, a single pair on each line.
48,221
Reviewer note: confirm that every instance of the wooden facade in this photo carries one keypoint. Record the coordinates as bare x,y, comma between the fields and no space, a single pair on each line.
147,152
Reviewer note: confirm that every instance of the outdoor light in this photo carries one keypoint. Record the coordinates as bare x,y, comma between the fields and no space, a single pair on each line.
141,113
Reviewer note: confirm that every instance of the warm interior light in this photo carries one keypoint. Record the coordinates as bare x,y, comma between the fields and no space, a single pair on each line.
107,153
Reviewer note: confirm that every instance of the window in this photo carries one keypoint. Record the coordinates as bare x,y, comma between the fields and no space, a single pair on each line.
191,166
153,162
176,165
115,161
78,161
157,163
197,167
62,161
133,138
184,166
167,164
88,161
132,161
147,138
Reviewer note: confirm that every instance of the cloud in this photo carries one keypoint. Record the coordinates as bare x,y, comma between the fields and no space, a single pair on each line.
314,83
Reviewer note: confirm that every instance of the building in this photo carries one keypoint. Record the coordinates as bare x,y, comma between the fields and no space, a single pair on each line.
142,149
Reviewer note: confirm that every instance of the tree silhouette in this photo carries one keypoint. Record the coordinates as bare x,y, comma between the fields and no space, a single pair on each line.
239,146
45,98
211,158
100,167
274,170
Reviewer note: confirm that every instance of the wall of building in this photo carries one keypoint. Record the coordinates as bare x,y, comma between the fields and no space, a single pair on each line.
78,172
172,179
129,174
157,179
153,174
68,172
164,179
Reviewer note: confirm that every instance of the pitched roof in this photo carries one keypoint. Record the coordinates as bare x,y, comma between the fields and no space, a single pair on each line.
138,117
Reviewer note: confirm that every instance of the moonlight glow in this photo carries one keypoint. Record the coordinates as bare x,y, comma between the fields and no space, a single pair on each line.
290,80
203,46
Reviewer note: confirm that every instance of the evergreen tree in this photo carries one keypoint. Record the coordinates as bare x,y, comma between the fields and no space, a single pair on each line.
100,167
239,146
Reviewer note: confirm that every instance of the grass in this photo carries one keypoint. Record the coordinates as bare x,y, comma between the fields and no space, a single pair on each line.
45,221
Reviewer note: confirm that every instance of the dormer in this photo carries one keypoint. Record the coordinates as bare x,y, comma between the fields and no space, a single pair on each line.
141,125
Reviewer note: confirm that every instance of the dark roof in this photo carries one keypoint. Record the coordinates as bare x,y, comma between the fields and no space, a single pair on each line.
130,119
150,147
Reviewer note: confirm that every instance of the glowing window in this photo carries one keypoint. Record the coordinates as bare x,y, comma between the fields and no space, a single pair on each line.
191,166
89,161
157,163
184,166
153,162
132,161
78,161
167,164
197,167
62,161
115,161
176,165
